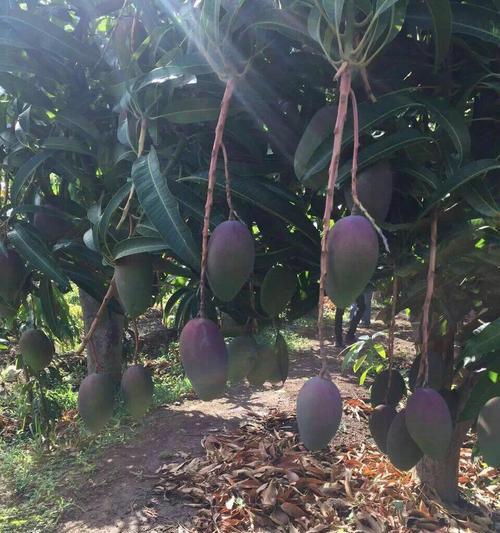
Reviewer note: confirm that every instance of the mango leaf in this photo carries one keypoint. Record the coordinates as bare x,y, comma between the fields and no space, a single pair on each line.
283,22
485,341
71,119
479,197
158,76
464,175
26,90
113,205
37,254
477,21
441,14
333,10
487,387
162,209
174,298
191,110
49,36
256,193
315,147
467,19
27,170
67,145
421,173
210,18
138,245
49,306
382,149
452,122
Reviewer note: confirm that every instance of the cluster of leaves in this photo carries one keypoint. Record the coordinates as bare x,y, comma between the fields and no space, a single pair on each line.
108,110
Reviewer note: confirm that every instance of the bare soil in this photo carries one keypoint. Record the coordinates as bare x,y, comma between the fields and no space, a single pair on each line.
119,496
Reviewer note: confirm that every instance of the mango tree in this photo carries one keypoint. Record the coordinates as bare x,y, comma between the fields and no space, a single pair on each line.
133,133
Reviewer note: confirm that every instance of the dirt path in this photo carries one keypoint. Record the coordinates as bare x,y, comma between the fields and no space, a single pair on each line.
119,497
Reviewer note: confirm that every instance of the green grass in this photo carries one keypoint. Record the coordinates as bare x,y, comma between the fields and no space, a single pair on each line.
33,479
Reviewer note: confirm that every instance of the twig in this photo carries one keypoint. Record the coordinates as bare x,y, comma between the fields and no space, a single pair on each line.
392,327
229,197
367,86
136,340
109,294
354,172
219,132
423,372
140,149
345,87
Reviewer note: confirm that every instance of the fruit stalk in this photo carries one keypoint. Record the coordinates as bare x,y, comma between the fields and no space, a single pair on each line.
344,74
229,196
219,132
109,294
354,171
423,372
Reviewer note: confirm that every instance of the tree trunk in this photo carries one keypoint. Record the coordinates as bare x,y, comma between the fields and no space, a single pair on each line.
441,475
105,348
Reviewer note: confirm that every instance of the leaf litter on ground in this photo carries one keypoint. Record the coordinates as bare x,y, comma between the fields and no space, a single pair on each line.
260,478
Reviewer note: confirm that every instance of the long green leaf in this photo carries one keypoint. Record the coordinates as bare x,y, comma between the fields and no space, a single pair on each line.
210,18
315,147
192,110
113,205
162,209
453,123
26,90
479,197
255,193
76,120
467,19
49,36
440,11
485,389
484,342
26,171
464,175
138,245
382,149
67,145
37,254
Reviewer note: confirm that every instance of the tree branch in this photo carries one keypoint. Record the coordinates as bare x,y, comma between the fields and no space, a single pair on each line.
219,132
344,75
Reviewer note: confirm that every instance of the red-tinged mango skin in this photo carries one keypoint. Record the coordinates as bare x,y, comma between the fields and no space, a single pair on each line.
488,432
380,423
95,401
319,410
352,248
402,450
137,388
230,259
374,191
134,283
204,357
429,422
36,348
378,391
12,276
